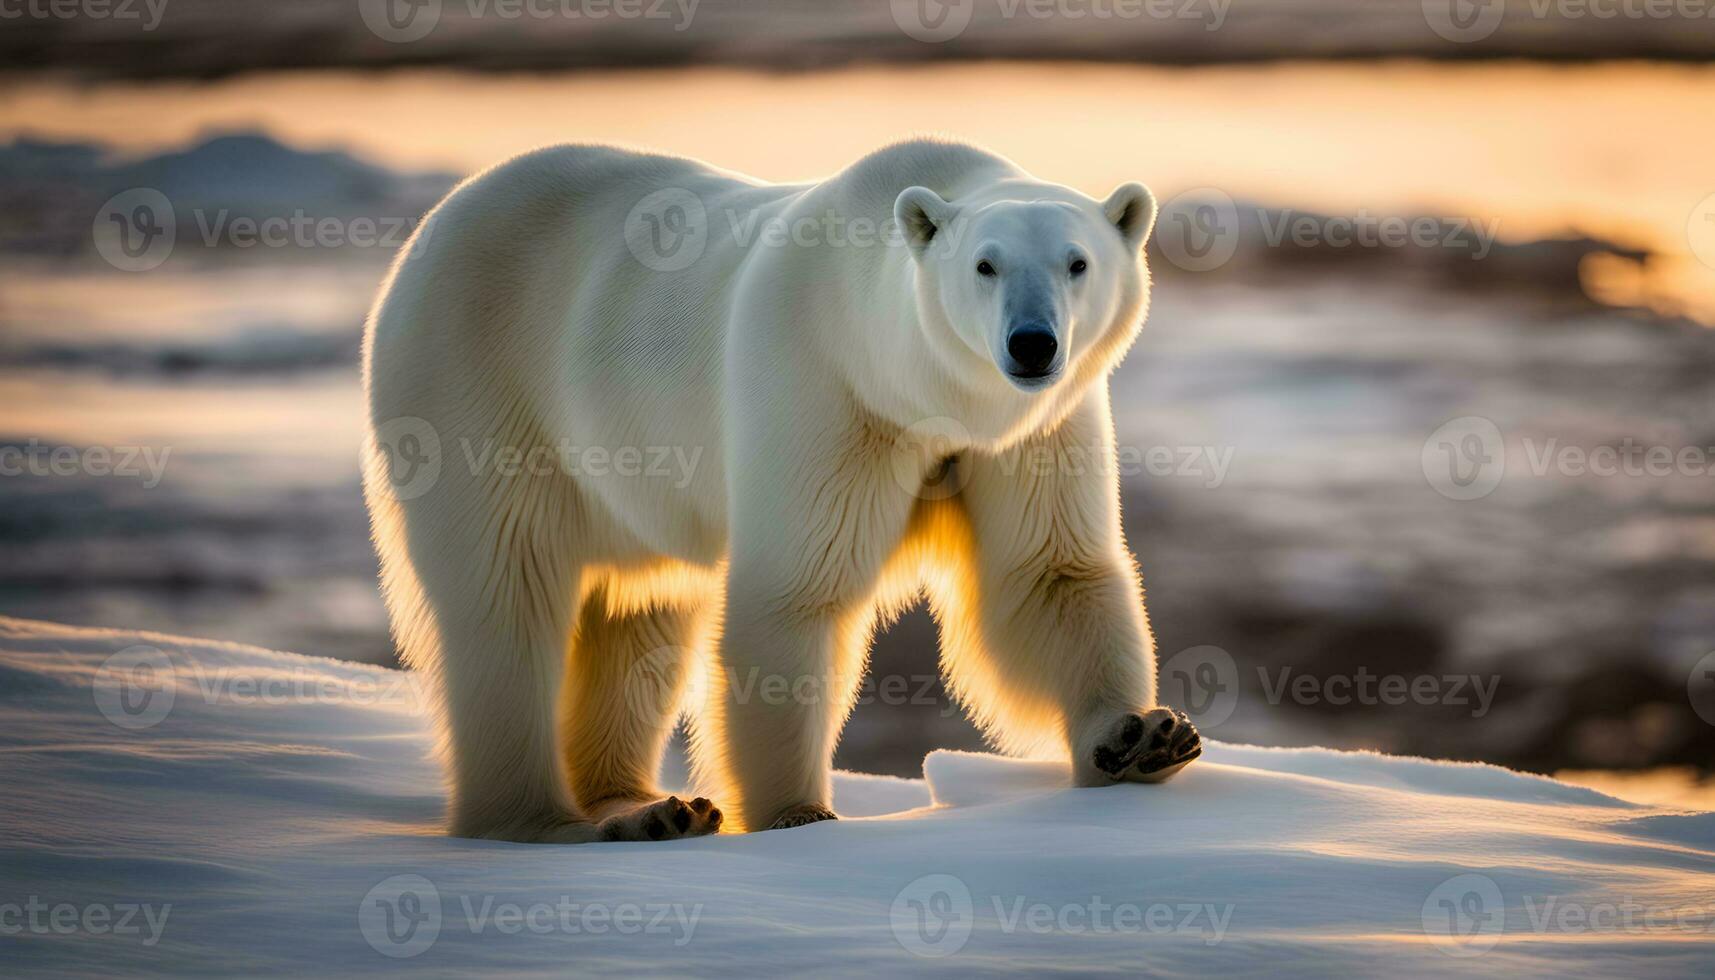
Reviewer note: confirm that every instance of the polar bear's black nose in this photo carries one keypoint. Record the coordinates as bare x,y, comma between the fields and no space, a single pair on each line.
1032,347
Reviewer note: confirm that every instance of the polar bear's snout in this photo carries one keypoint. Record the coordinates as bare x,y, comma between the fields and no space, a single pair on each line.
1033,314
1032,351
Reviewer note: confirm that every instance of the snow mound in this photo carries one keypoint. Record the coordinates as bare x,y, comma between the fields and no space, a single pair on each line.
183,807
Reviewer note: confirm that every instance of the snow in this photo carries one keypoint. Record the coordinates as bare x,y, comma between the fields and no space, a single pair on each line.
185,807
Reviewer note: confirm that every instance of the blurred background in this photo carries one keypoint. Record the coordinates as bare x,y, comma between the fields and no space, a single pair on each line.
1418,446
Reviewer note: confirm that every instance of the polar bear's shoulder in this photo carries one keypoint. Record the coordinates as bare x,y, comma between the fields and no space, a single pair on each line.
586,164
942,165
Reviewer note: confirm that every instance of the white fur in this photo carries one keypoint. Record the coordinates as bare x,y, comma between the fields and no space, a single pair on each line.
565,615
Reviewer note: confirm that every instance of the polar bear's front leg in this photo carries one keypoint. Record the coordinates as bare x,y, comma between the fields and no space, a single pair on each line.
1060,607
780,670
811,533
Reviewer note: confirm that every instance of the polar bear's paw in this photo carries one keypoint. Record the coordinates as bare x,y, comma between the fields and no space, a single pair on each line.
802,814
668,819
1148,748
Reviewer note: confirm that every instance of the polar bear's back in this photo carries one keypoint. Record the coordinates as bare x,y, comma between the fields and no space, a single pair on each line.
521,314
559,240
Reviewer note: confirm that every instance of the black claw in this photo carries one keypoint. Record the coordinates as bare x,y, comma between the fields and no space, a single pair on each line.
799,816
1174,743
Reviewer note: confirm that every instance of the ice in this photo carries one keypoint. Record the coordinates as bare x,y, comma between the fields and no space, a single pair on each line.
183,807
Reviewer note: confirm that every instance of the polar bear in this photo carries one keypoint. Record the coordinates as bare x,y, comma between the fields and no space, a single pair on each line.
649,438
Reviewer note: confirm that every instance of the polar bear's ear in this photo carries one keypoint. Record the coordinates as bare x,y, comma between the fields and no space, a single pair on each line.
1131,208
922,215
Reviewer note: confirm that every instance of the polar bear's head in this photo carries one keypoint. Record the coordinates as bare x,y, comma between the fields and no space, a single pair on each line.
1032,277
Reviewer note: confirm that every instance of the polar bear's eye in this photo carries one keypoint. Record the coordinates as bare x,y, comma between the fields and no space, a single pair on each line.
1078,267
984,269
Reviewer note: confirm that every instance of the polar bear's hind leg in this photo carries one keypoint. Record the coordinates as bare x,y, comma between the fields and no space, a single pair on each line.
499,592
626,680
